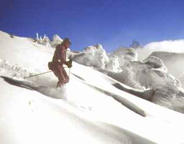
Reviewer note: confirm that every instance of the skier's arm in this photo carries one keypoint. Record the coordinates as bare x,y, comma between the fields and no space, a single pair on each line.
63,56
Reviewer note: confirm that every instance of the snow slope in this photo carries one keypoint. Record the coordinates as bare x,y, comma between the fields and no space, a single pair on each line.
22,51
89,109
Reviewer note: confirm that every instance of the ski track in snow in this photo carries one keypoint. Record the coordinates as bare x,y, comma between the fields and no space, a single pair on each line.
119,99
14,74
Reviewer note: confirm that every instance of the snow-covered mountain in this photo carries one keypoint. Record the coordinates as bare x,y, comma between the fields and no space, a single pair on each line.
175,46
152,74
174,62
170,52
89,109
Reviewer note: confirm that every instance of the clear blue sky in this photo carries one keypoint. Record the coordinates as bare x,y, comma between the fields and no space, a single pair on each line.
87,22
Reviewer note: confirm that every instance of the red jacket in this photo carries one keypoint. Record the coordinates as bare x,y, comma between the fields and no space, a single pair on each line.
60,54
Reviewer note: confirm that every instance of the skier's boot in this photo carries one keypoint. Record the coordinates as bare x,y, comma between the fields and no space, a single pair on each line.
59,84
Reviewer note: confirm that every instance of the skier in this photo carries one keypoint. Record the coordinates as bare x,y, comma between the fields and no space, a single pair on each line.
59,59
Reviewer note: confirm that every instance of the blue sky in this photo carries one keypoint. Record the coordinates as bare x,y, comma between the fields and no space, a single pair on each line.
88,22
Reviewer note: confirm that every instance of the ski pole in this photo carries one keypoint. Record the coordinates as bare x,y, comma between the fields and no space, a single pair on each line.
69,73
37,74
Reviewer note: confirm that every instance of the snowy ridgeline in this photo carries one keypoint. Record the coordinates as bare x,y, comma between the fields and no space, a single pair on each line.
95,56
47,42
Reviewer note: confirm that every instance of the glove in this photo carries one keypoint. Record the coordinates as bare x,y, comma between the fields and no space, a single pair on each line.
69,63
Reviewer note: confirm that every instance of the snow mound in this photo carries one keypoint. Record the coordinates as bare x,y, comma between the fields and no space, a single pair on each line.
113,64
174,62
94,56
56,40
156,63
125,55
6,69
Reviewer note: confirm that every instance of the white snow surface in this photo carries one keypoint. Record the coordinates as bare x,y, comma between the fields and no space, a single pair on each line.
83,111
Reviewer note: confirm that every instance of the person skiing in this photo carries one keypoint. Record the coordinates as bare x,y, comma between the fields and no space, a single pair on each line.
59,59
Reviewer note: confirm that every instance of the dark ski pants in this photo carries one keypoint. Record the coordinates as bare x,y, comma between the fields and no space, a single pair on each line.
59,72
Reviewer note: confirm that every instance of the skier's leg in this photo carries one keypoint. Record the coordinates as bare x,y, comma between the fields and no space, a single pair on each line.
61,76
57,72
66,76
